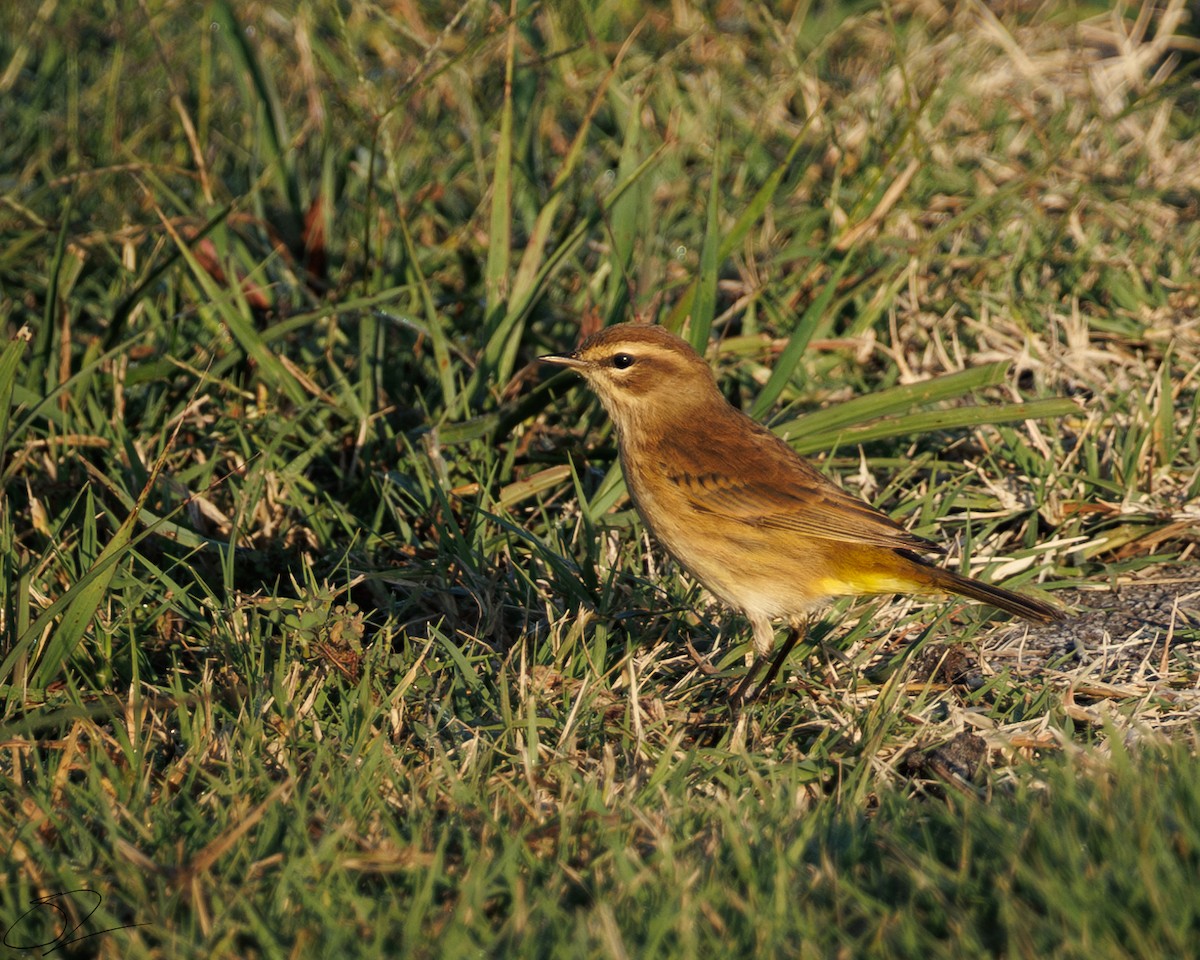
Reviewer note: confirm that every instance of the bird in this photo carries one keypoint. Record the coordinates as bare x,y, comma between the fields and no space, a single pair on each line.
754,522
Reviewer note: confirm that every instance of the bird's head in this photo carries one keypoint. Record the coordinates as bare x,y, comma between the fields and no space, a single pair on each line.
642,374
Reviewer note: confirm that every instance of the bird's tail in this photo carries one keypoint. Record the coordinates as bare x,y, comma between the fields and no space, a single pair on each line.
1006,600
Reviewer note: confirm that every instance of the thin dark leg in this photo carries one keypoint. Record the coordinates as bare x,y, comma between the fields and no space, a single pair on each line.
795,635
739,698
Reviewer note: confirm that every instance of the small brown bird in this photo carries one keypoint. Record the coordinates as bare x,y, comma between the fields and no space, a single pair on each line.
738,508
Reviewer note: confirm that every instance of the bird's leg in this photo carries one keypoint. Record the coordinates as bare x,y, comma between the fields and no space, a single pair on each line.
739,698
796,633
763,640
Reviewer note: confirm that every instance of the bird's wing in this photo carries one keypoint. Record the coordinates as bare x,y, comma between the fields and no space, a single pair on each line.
761,482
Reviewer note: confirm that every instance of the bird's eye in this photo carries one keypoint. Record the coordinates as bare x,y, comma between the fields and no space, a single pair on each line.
622,361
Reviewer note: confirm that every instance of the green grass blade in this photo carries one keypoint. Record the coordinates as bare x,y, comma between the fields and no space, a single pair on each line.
10,360
900,399
762,198
789,359
704,304
524,284
78,605
749,216
927,422
505,339
626,214
232,308
38,370
500,230
433,324
262,91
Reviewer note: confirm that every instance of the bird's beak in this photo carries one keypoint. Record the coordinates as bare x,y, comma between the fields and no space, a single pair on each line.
571,360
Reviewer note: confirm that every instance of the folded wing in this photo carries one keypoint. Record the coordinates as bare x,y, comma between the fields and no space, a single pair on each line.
764,483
